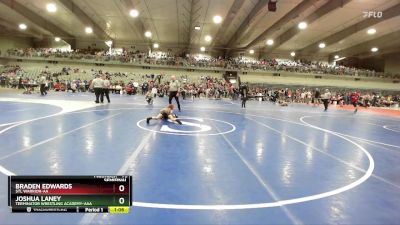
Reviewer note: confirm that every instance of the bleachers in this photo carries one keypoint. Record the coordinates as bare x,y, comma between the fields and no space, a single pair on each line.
192,62
34,68
86,72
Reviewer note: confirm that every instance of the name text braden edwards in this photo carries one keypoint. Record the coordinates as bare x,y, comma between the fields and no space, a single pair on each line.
42,186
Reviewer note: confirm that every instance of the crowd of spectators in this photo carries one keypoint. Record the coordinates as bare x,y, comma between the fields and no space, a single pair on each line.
340,97
200,87
205,86
200,61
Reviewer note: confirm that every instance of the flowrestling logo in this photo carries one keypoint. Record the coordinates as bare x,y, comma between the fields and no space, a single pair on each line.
193,126
373,14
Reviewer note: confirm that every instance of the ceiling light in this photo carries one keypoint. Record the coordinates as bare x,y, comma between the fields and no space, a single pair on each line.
338,59
22,26
217,19
51,7
302,25
197,27
208,38
109,43
134,13
203,49
147,34
88,30
270,42
155,45
293,54
57,39
371,31
336,56
321,45
374,49
251,51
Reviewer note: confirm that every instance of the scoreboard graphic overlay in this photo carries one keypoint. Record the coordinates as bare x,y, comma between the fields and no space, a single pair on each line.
62,194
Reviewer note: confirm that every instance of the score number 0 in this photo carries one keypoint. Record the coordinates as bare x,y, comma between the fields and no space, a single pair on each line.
121,200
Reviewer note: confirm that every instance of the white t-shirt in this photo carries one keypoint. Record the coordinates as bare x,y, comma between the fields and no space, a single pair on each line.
174,85
97,83
106,83
326,95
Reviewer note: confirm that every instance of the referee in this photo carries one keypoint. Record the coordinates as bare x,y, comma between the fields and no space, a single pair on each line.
174,87
97,85
326,98
106,88
42,82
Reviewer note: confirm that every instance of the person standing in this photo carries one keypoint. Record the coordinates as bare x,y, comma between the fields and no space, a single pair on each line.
106,88
154,91
158,78
317,96
326,98
97,85
244,92
42,82
145,87
174,87
354,98
149,98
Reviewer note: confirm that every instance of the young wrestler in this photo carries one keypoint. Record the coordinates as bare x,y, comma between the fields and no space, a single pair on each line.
166,113
354,98
149,97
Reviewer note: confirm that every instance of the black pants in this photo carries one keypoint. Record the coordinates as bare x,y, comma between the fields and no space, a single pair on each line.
43,89
172,94
244,102
183,95
98,92
326,103
106,93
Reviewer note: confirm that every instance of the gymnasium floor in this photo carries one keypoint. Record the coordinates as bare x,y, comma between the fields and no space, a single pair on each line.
262,165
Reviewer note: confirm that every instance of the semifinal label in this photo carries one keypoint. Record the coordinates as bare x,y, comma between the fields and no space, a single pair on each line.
69,191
